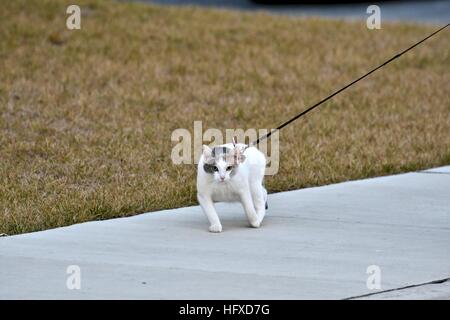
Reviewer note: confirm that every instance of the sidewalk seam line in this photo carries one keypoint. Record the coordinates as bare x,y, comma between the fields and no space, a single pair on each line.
440,281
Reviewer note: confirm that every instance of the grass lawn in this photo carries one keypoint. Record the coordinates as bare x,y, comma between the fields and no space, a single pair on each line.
86,116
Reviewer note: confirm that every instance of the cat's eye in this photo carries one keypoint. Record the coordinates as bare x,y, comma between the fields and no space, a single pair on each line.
229,168
215,169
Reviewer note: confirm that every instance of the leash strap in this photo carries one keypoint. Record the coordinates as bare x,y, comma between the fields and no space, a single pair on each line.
343,88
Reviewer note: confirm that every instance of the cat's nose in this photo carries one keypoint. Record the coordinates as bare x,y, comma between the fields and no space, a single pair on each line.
222,178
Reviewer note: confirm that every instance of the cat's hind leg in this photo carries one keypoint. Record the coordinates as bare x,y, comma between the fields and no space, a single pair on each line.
259,197
247,203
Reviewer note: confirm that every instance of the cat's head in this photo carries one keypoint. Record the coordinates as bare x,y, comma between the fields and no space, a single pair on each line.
222,162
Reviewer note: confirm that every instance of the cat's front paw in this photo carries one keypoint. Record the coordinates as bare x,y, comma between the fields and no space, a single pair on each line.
256,223
215,228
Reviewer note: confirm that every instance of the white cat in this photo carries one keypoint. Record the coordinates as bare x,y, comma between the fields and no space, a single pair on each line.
232,172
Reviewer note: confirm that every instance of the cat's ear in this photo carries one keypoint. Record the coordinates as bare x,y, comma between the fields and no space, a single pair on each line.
207,152
238,155
241,158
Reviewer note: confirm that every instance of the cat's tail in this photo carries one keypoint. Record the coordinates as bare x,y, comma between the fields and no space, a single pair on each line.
265,195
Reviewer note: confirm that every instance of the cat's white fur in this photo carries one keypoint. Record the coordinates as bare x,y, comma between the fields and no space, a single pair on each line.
245,185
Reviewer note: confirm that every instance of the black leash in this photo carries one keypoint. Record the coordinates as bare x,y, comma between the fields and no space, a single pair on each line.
343,88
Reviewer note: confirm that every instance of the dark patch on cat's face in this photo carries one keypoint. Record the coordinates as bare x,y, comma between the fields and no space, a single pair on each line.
234,170
209,168
222,160
220,151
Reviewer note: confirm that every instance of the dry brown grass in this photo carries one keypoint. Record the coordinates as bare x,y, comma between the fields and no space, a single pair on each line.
86,116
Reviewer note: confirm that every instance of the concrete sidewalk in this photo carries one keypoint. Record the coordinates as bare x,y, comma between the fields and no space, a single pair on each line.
315,243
